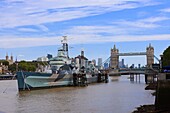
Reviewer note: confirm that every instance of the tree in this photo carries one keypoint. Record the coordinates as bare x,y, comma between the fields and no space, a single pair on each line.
4,62
26,66
12,68
166,57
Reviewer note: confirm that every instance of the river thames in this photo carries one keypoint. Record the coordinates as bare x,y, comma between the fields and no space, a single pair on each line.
118,96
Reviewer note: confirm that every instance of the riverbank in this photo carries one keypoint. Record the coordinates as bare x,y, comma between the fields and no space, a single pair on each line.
162,99
149,109
7,77
151,86
145,109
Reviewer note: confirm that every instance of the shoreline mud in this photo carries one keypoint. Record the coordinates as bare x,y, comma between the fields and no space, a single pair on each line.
148,109
162,98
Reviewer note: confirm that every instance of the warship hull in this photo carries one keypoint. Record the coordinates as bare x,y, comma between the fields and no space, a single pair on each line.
37,80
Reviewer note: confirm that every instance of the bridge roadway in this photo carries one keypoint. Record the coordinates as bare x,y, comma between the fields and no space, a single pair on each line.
132,54
131,71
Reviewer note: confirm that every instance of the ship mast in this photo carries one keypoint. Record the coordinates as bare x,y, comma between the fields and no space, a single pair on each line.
65,45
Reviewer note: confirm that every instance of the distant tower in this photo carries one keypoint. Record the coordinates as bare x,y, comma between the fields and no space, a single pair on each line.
123,63
82,52
106,65
150,55
11,58
100,63
82,60
138,65
94,62
7,57
16,60
114,59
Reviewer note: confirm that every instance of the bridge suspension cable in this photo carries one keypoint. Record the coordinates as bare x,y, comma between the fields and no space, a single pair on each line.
157,58
106,61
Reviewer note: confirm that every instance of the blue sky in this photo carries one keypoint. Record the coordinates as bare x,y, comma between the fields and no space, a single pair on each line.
30,29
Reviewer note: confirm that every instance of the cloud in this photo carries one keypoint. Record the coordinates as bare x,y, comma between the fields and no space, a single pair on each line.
96,30
20,55
142,14
43,28
18,42
121,38
27,30
143,23
155,19
167,10
20,13
136,24
119,27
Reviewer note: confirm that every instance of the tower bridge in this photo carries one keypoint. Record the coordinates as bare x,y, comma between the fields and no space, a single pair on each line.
113,60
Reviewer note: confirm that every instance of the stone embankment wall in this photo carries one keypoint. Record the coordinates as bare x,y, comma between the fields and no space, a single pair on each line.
162,101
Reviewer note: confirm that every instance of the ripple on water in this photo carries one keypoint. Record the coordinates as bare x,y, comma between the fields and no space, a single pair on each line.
118,96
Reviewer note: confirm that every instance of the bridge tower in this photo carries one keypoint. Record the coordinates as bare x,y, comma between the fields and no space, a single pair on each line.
114,59
150,55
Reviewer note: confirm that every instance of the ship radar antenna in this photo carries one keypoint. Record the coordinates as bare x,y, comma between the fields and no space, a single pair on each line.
64,40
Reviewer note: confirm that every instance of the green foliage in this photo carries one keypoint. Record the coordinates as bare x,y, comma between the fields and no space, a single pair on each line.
166,57
12,68
4,62
25,66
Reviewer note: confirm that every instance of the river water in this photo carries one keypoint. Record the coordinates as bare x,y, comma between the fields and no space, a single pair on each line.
118,96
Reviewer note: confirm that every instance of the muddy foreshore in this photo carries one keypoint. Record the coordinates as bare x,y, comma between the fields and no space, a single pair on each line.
162,99
149,109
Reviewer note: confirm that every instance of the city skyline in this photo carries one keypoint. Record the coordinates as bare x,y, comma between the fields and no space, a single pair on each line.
94,25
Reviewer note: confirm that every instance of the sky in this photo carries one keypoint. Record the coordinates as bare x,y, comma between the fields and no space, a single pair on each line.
30,29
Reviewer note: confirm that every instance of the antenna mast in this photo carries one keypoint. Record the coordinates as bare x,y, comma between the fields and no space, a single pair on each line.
65,45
